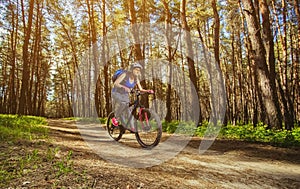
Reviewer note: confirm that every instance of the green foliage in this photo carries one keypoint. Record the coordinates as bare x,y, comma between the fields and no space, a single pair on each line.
51,152
103,120
261,133
179,127
296,133
248,132
65,165
61,166
200,131
21,127
170,127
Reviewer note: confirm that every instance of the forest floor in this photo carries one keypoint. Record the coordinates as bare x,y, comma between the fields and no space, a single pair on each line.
66,161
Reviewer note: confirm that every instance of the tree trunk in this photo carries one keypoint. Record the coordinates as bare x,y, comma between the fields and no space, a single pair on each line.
269,44
269,102
104,52
135,34
168,15
234,78
297,63
14,38
37,59
216,32
26,64
138,53
190,55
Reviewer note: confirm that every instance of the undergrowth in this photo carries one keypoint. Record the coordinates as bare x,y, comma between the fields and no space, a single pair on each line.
249,132
14,127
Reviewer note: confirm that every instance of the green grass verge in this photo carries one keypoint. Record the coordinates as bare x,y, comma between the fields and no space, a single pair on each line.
260,133
14,127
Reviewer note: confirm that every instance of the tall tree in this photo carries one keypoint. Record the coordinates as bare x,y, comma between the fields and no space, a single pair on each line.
216,32
189,52
168,29
269,102
24,100
269,45
14,39
296,63
135,34
105,50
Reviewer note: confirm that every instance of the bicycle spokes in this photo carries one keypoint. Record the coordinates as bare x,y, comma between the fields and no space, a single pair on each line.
149,129
115,132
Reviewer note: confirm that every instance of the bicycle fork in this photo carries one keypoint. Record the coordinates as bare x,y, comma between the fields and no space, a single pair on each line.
145,117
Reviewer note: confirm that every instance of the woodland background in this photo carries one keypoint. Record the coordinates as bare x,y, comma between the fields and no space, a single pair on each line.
256,43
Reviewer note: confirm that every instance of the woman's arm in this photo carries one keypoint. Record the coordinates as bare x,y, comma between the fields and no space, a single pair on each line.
141,88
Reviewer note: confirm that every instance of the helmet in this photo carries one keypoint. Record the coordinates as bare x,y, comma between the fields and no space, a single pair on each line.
136,65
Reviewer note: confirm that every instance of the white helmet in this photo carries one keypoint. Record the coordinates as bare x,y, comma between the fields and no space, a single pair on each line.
136,65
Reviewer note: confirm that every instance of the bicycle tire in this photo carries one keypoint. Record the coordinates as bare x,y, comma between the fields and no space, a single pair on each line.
114,132
149,136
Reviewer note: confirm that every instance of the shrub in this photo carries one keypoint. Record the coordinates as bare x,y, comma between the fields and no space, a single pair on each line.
260,133
179,127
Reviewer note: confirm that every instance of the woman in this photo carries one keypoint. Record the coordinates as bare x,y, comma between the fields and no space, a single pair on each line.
122,87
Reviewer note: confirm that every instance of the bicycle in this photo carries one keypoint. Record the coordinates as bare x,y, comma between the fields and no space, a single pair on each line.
146,124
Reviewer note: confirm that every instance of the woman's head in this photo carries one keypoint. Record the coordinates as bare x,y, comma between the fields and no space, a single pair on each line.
136,69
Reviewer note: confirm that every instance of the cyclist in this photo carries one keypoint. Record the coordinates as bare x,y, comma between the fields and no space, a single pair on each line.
122,87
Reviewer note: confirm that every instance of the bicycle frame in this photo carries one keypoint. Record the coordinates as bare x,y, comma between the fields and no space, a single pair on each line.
147,134
136,104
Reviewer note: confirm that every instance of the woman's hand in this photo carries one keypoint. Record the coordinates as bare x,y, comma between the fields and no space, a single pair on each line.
150,91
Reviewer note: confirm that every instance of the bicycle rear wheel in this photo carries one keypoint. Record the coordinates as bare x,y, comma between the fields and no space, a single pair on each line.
115,132
149,129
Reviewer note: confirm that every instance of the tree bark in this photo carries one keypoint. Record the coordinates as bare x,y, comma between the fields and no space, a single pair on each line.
135,34
269,102
216,32
14,38
269,44
105,50
190,55
26,62
168,15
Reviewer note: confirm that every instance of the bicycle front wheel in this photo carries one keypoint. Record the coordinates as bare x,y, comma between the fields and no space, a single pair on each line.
115,132
149,129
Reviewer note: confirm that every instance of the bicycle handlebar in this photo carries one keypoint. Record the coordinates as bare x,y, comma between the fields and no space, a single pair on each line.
138,92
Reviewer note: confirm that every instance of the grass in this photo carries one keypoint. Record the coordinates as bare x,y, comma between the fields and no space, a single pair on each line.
34,164
260,133
24,160
16,130
14,127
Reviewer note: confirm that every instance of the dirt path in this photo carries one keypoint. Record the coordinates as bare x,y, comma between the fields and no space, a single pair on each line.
227,164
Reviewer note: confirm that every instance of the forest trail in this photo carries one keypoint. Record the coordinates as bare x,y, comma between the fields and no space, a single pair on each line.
227,164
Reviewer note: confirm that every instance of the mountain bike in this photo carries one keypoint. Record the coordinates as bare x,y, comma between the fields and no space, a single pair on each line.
143,122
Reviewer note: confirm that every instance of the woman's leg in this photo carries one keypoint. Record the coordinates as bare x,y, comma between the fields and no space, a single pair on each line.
120,104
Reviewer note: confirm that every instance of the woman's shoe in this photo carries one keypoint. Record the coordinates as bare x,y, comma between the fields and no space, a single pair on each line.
115,122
